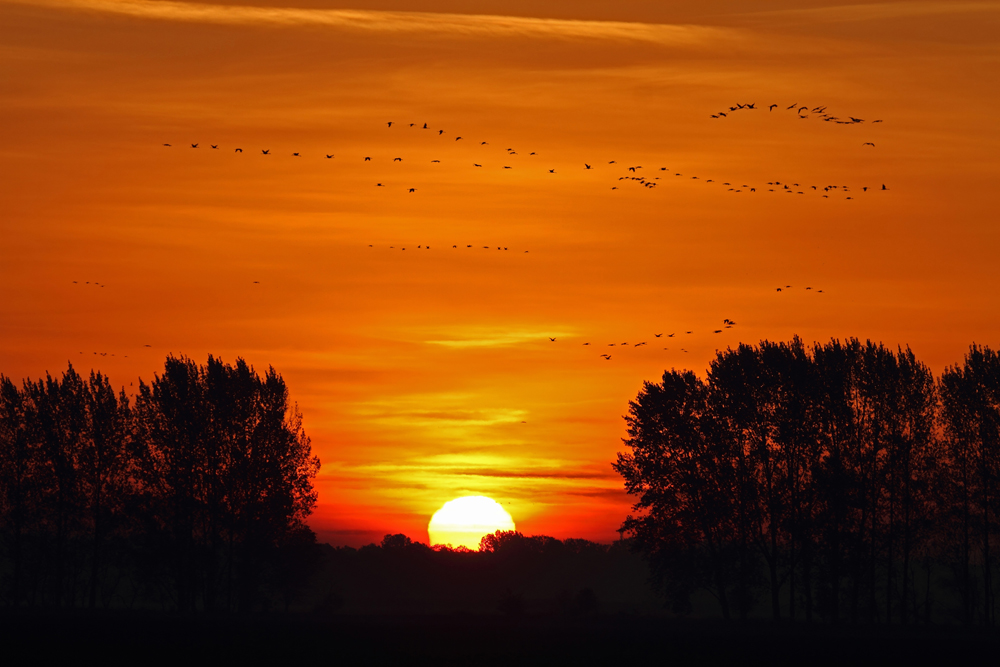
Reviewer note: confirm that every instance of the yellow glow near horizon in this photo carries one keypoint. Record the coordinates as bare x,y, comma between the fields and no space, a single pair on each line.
464,521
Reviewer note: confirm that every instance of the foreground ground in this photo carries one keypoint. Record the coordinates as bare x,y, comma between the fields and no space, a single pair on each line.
474,640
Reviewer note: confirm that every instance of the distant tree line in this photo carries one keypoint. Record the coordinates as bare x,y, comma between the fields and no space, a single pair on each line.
511,573
192,495
837,482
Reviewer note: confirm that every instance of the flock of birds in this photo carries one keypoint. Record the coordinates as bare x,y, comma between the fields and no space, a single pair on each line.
726,324
631,174
815,112
454,247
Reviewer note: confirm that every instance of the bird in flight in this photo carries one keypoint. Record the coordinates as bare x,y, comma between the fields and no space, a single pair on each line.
265,151
457,138
658,335
771,108
397,159
414,190
390,123
552,171
586,166
194,145
552,339
868,143
166,145
238,150
476,165
295,154
368,159
440,132
215,146
329,157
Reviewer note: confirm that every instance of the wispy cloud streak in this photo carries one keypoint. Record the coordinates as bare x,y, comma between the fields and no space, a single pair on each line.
399,22
873,12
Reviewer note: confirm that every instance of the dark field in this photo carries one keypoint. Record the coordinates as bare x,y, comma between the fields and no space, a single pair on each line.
475,640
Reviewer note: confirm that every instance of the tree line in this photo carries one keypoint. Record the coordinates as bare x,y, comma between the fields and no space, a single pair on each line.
191,495
511,573
837,482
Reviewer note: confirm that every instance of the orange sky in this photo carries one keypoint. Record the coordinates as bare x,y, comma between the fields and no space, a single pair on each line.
428,374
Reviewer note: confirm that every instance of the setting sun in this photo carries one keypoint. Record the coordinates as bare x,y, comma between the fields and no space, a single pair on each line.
464,521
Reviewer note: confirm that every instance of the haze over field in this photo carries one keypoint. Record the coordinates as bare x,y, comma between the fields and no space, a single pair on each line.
430,373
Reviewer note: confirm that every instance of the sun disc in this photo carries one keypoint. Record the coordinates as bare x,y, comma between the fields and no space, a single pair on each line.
464,521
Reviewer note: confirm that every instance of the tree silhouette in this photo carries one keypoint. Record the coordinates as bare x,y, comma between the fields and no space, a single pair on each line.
197,493
810,473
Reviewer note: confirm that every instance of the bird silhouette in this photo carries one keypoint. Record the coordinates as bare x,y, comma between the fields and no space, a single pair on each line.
194,145
329,157
295,154
586,166
390,123
771,108
658,335
215,146
265,151
397,159
552,339
368,159
868,143
413,189
440,132
168,145
238,150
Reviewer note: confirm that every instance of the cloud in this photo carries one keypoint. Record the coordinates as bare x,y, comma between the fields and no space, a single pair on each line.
400,22
555,473
499,340
873,12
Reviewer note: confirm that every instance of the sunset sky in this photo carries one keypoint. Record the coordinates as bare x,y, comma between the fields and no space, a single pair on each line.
428,374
